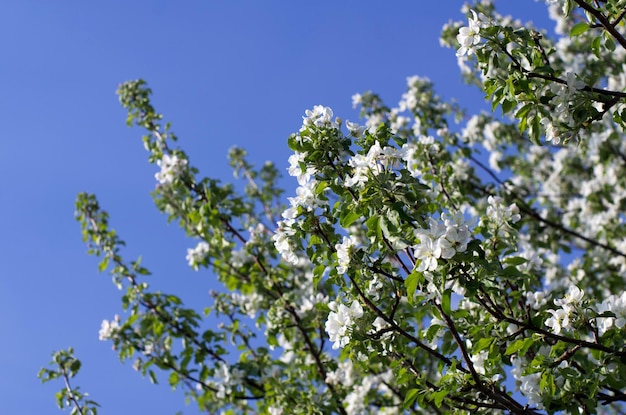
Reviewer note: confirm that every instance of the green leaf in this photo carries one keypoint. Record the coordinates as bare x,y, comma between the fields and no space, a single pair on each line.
617,118
519,346
410,397
508,105
514,347
483,343
318,272
595,46
578,29
516,260
104,263
609,43
373,226
174,379
523,112
152,376
439,396
445,301
411,283
535,130
544,69
74,367
349,218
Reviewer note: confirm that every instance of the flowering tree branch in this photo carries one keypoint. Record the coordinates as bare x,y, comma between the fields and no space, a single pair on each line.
405,274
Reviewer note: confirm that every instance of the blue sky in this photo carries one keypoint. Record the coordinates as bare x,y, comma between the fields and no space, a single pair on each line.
225,73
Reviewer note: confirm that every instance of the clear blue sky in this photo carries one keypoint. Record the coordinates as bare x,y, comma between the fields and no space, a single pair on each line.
225,73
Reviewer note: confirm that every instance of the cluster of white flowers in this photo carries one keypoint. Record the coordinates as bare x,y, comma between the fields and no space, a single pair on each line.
373,289
374,162
441,240
343,375
480,129
469,36
107,328
563,98
413,156
196,255
226,378
615,304
356,130
319,116
533,255
240,257
537,299
560,319
305,197
148,347
295,168
528,384
501,214
397,122
472,133
307,296
340,321
363,165
282,241
410,98
343,252
248,303
257,234
478,361
282,237
551,132
172,167
354,402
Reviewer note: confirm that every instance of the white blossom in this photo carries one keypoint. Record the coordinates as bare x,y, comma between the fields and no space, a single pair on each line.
478,361
274,410
196,255
528,384
343,375
558,321
282,241
319,116
172,167
340,322
373,289
537,299
501,214
443,239
469,36
295,168
573,296
343,252
108,328
355,129
426,254
305,197
226,378
615,304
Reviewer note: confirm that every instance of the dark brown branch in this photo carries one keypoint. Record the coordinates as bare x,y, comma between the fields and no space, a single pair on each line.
604,21
70,393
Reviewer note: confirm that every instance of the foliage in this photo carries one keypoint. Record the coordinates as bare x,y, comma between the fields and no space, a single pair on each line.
410,273
66,367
